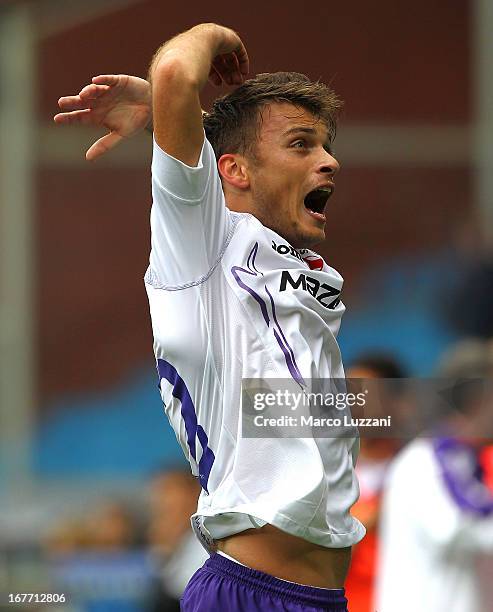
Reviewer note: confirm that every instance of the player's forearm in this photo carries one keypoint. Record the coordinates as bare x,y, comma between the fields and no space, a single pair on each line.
150,125
188,56
178,73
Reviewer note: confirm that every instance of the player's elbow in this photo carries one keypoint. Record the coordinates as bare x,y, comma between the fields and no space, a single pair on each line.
171,71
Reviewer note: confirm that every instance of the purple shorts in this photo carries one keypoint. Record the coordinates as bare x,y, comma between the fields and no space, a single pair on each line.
222,585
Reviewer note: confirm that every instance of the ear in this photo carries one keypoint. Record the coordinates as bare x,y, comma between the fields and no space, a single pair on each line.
234,170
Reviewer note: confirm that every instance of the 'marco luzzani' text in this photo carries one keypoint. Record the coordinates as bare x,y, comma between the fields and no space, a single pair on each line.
261,420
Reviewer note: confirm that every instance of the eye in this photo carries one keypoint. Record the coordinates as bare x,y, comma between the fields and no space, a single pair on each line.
329,150
299,144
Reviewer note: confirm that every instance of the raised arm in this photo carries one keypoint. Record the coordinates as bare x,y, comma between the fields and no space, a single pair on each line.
179,71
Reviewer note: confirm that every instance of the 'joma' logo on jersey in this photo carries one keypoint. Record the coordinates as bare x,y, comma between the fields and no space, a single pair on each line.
320,291
285,249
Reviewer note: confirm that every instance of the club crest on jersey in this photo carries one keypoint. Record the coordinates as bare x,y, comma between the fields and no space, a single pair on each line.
314,262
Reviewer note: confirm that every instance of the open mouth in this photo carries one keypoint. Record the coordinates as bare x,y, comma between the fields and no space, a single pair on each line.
316,200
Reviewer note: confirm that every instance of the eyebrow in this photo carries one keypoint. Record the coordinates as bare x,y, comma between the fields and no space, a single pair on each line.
307,130
299,128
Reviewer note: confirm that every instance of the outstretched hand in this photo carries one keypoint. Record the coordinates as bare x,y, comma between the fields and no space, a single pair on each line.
118,102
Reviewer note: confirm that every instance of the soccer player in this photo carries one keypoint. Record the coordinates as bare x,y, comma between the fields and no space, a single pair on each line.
235,293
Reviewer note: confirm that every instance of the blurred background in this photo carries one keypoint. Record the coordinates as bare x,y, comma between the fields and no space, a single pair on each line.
83,436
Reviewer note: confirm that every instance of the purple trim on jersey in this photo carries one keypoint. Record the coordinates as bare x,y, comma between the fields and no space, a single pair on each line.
193,429
278,335
255,295
290,359
222,585
252,255
463,476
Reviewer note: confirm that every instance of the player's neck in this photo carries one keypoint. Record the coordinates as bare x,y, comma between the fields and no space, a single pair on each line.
240,201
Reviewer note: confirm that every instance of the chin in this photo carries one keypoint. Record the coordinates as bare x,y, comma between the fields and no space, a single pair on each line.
309,238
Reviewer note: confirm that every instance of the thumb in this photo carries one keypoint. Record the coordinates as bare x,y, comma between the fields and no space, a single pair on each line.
104,144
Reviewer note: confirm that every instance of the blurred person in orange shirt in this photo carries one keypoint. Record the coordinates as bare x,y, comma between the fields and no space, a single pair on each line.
374,459
487,463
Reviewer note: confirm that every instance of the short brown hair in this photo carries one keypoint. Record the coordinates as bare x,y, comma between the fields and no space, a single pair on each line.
232,126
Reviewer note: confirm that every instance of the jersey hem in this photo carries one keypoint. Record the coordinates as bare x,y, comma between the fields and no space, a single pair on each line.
284,523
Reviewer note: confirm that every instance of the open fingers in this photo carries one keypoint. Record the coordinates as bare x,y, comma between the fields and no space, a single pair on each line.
93,91
106,79
101,146
82,117
82,100
71,103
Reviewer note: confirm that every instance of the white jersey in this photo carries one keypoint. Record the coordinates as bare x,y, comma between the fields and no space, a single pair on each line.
231,300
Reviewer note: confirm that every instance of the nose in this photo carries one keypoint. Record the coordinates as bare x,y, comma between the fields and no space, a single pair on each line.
329,164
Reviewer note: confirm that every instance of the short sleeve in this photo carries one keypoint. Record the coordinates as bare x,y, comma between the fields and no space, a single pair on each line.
190,223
